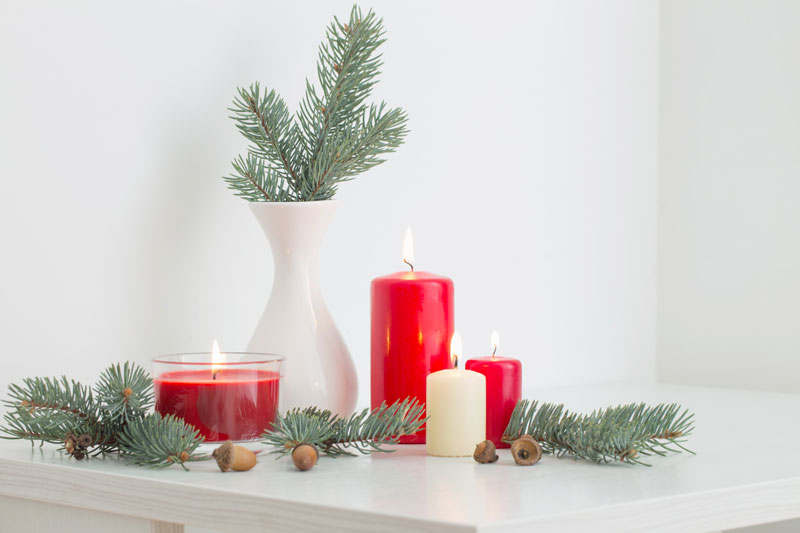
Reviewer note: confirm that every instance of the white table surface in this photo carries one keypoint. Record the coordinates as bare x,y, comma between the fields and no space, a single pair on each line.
746,471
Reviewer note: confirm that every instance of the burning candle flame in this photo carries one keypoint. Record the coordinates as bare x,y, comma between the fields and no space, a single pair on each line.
408,249
495,342
217,359
455,348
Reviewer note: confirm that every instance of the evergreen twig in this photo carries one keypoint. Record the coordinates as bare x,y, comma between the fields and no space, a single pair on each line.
125,392
160,441
47,409
113,419
623,433
365,432
333,137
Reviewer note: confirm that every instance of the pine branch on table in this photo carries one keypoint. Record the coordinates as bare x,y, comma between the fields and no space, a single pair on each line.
160,441
365,432
47,409
623,433
124,392
83,423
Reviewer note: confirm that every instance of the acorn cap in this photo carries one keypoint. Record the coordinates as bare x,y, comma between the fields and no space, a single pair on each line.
224,456
526,450
485,452
232,457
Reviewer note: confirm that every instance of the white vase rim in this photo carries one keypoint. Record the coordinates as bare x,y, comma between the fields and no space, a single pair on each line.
296,204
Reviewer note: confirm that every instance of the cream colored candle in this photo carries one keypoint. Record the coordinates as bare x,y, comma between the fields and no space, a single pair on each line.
456,407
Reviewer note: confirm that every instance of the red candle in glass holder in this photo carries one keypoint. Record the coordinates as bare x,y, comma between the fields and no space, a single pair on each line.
412,323
232,400
503,389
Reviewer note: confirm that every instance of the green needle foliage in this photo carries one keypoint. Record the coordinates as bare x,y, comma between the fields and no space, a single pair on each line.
364,432
125,392
158,442
113,418
46,409
335,134
623,433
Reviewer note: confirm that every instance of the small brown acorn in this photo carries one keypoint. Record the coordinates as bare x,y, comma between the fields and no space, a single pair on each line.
232,457
485,452
70,443
526,451
305,456
85,440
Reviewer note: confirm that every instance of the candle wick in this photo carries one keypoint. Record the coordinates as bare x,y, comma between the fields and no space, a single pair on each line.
214,374
455,361
494,351
409,264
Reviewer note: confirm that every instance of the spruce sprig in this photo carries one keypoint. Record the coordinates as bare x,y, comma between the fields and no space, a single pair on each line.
46,409
125,392
160,441
333,137
623,433
112,419
365,432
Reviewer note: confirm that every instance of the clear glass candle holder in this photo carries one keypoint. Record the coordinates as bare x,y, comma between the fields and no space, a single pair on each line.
232,400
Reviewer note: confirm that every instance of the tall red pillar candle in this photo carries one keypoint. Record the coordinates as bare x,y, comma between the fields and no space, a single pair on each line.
412,323
503,390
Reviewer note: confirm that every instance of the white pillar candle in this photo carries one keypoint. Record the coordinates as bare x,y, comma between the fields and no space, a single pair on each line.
456,409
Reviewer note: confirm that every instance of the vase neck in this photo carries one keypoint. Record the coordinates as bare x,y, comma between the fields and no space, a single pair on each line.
295,232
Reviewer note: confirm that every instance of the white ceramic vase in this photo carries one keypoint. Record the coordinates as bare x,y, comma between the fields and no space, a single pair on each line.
296,323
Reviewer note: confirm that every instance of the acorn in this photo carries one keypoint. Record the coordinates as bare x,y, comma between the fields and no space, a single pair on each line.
232,457
70,443
85,440
305,456
485,452
526,451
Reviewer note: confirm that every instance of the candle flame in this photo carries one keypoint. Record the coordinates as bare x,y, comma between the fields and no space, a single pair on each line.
217,358
408,249
455,348
495,342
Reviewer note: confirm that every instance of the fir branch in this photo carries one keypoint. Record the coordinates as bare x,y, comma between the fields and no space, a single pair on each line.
46,409
622,433
65,412
159,442
335,135
365,432
251,181
263,119
124,392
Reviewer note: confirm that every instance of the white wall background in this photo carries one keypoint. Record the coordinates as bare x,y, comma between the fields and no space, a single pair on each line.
729,225
530,177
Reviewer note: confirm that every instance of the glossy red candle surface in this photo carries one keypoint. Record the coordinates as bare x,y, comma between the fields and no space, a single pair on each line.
412,323
503,391
238,405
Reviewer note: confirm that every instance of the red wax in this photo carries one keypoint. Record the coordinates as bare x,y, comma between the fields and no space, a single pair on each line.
503,391
412,323
238,405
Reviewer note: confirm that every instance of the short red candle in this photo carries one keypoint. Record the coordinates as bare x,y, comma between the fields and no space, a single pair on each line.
503,391
412,323
238,405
